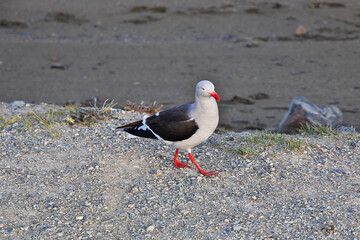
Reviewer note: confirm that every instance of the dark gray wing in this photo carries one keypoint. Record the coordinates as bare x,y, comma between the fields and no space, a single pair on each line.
173,124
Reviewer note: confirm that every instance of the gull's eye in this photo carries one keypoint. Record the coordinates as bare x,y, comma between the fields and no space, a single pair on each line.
203,89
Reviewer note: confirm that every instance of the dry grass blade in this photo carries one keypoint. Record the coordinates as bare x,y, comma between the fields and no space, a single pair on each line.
141,108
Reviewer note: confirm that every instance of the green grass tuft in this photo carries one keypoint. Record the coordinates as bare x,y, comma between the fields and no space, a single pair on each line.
248,151
256,143
322,130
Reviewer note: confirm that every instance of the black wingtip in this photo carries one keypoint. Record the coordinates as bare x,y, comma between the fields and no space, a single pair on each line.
133,129
131,125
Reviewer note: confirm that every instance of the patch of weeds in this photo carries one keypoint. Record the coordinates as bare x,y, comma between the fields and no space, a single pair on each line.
90,115
48,119
260,141
4,122
152,109
295,144
24,121
245,150
267,139
322,130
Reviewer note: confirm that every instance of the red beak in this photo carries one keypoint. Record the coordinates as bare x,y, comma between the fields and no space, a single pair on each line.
215,95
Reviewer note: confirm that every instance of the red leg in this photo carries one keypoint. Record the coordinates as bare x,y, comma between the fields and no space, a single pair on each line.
208,174
177,163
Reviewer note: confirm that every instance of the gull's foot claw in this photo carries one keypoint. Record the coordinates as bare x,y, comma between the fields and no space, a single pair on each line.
179,164
208,174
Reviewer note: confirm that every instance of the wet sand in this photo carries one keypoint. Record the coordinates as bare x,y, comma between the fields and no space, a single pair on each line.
157,51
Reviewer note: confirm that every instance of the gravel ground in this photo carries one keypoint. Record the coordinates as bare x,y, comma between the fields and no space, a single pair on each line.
94,183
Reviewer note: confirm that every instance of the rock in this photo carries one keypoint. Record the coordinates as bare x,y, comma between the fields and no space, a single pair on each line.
302,111
18,104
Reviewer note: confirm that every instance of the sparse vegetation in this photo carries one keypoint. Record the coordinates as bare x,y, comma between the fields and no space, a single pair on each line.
295,144
48,119
26,121
4,122
90,115
256,143
51,117
152,109
318,130
323,130
248,151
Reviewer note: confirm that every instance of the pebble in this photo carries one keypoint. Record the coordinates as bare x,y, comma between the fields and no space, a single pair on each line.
237,227
150,228
18,104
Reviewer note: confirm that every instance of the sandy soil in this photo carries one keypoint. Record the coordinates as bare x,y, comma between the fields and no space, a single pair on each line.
91,182
158,50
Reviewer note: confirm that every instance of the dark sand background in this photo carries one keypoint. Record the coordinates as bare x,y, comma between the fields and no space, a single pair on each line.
160,50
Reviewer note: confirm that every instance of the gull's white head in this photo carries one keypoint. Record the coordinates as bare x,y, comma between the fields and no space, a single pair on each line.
205,88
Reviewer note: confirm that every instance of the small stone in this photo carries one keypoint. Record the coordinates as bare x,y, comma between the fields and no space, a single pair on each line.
24,150
150,228
79,218
237,227
300,31
185,212
18,103
57,65
252,44
324,150
158,173
135,190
